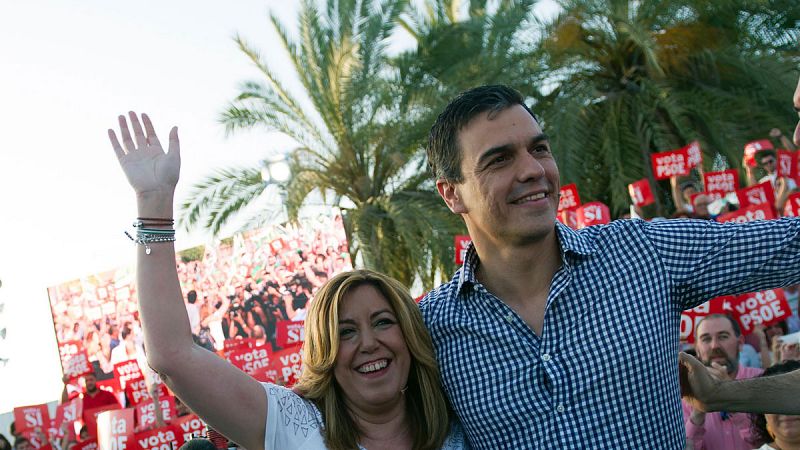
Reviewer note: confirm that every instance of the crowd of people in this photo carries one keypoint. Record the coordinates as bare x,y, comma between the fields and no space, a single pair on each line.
505,340
239,289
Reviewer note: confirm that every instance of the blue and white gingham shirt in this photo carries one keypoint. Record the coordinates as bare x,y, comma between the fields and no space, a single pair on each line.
604,372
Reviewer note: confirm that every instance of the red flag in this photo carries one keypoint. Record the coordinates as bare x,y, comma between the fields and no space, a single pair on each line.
250,360
594,213
74,359
163,438
568,197
751,148
757,195
28,418
748,214
786,164
115,429
189,427
792,207
127,371
289,364
761,308
694,155
641,194
724,181
462,242
289,333
670,163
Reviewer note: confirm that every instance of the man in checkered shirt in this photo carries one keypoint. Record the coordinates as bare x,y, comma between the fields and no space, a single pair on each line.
549,337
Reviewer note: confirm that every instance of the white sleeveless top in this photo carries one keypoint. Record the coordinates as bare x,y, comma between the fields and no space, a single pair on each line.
296,423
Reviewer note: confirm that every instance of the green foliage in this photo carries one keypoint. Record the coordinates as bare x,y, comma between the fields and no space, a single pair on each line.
192,254
633,78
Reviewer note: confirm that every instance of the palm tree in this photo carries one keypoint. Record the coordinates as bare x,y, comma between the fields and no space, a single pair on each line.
354,145
636,77
460,45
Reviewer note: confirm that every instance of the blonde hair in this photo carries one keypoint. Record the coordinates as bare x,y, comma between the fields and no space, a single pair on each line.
426,408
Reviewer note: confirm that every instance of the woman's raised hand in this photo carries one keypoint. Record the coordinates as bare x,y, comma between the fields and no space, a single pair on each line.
149,170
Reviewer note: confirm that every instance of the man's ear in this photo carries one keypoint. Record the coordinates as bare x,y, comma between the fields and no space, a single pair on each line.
451,196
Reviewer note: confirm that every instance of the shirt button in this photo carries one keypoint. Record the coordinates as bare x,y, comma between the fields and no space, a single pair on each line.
510,318
546,357
476,288
560,408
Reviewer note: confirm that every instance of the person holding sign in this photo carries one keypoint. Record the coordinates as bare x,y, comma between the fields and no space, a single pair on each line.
370,377
783,186
523,330
92,398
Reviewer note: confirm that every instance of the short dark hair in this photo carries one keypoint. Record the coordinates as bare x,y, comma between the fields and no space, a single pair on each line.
734,324
19,441
758,422
191,297
688,184
444,154
764,153
198,444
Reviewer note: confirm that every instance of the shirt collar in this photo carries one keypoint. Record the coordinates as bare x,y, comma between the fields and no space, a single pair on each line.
571,242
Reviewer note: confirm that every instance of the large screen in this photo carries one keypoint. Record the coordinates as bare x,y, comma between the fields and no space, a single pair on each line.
238,288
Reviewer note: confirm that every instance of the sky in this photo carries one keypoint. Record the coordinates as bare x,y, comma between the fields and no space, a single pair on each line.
67,70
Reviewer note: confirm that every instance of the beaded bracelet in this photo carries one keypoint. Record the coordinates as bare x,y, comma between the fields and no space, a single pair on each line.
145,236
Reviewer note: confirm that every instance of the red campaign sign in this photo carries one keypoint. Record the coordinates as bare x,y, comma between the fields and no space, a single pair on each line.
670,163
694,155
161,438
786,164
69,412
761,308
568,197
289,364
462,242
146,411
749,214
28,418
266,375
690,317
37,439
792,207
127,371
115,429
751,148
92,414
757,195
74,359
289,333
136,391
594,213
641,194
249,360
109,385
189,427
724,181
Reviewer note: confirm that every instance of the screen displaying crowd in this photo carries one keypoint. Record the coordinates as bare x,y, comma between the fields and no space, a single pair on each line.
239,289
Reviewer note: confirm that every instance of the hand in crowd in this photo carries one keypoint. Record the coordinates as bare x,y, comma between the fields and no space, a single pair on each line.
699,383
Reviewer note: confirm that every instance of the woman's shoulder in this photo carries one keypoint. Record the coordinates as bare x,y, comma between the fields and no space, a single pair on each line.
292,406
456,438
291,419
